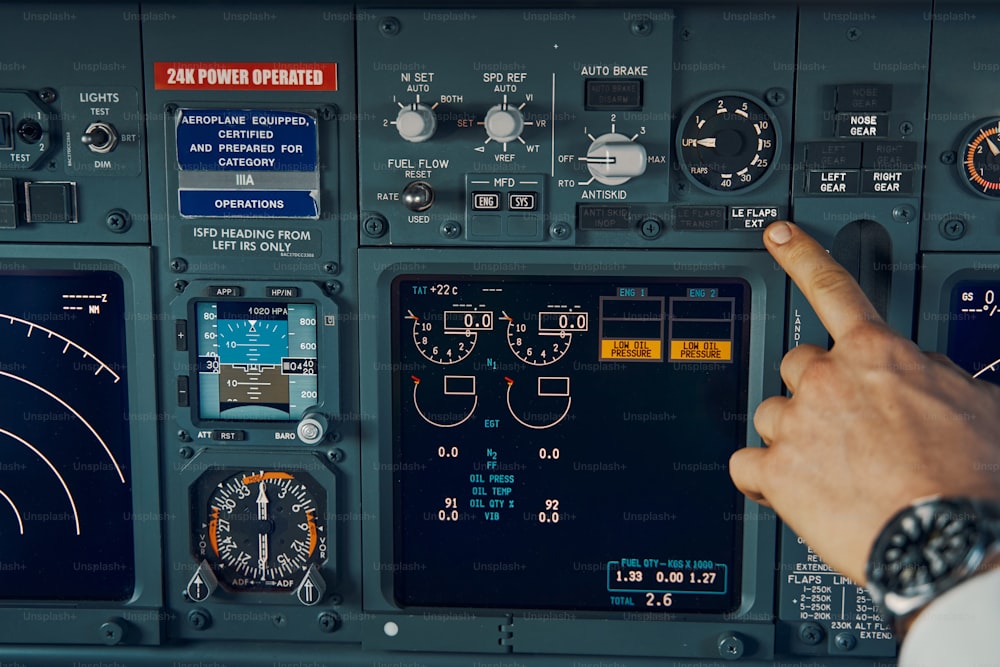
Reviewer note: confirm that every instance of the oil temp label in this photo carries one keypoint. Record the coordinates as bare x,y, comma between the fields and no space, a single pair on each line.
247,163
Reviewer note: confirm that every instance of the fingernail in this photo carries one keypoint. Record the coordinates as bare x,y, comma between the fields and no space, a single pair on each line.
779,233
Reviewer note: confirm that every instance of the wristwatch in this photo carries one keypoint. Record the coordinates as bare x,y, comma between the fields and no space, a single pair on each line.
927,548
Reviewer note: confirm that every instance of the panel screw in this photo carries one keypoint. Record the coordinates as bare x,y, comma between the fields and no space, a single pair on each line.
810,633
334,436
686,34
47,95
112,632
949,157
845,641
559,230
332,287
853,34
337,455
332,268
730,647
279,620
170,109
906,128
178,265
328,112
199,619
118,220
186,452
641,27
775,97
328,621
180,285
904,213
450,229
952,228
650,228
336,599
389,26
183,436
374,226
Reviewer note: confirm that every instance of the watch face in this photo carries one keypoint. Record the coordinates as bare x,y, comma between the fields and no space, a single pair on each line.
923,545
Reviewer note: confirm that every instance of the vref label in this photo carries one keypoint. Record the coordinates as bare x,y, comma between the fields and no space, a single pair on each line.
244,76
248,163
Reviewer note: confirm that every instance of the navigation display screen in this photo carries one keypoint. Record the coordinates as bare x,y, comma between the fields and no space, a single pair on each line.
974,328
65,470
256,360
564,443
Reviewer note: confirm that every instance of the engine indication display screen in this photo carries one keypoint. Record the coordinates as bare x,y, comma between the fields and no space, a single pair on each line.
564,443
974,328
65,470
256,360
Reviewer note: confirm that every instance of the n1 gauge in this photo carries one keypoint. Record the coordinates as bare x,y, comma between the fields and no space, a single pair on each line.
980,164
728,142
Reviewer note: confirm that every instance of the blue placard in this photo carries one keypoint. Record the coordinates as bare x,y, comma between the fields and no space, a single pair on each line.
246,140
248,204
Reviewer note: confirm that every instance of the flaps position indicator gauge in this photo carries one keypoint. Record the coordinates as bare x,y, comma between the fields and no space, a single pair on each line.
728,142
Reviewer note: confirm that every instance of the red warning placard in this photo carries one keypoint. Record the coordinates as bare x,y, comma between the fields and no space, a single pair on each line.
245,76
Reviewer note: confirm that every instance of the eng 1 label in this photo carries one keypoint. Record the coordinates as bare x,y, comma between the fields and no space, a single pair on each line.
247,163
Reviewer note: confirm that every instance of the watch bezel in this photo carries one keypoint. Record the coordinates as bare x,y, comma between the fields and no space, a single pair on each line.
913,528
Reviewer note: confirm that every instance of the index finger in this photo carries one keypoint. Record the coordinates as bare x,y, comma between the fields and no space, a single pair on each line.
832,292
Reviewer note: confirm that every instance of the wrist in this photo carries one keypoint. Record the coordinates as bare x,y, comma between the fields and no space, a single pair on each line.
990,564
927,548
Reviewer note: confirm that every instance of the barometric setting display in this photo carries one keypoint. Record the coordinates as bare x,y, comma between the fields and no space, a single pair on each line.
257,360
564,443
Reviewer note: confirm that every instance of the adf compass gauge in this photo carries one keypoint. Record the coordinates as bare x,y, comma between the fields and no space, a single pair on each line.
981,158
259,532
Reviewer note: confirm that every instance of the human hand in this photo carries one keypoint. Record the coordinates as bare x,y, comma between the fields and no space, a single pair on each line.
872,424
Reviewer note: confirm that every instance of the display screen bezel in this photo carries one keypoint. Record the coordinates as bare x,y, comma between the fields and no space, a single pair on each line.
196,335
379,267
607,296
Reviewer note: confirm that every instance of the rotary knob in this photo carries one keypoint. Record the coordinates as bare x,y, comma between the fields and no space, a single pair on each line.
504,123
613,159
312,428
416,122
